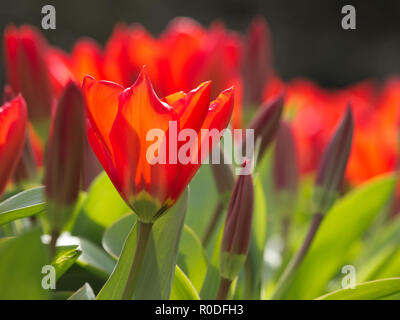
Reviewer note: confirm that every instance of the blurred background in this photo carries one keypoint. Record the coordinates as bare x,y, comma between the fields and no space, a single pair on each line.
307,36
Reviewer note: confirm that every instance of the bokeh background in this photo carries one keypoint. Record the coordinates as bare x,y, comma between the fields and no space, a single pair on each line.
307,36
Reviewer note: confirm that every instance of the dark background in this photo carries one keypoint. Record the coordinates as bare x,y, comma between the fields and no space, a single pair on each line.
307,36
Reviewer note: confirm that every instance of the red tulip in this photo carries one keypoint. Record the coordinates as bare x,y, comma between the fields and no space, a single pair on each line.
118,123
24,53
64,156
13,120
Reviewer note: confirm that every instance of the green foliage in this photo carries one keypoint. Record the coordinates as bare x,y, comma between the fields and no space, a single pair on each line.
24,204
158,268
22,259
182,288
343,226
373,290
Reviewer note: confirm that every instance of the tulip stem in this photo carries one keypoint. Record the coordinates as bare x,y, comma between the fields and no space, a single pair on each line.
213,223
289,271
224,285
53,242
141,245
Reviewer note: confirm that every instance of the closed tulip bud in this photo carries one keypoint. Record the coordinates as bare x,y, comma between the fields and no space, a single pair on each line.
285,168
334,161
27,166
257,65
266,122
64,157
236,237
24,52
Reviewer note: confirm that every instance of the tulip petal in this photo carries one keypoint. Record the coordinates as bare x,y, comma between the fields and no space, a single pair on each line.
102,106
139,111
191,108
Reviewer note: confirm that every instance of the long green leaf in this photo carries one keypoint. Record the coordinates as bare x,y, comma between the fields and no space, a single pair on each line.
192,258
158,267
258,238
24,204
182,288
342,227
372,290
211,283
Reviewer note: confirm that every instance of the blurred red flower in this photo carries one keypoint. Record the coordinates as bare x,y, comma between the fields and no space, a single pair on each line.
13,120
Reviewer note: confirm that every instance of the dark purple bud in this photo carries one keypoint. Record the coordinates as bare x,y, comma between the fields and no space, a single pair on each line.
285,165
266,122
64,156
237,232
334,161
257,61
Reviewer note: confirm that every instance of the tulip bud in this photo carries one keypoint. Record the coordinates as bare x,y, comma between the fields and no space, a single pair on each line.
64,157
27,166
24,52
257,66
333,165
266,122
236,237
285,168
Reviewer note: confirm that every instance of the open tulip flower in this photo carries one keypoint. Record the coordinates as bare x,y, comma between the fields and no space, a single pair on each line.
118,124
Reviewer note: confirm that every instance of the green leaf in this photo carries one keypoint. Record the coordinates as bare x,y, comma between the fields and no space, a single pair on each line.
102,206
22,205
383,254
211,283
373,290
258,238
192,258
114,237
341,228
203,198
158,267
65,257
83,293
93,258
22,259
182,288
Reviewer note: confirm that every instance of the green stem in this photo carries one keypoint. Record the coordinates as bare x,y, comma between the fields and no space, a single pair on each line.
53,241
141,245
289,272
223,290
248,284
219,209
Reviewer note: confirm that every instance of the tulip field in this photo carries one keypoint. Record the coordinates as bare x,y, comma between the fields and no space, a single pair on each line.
182,166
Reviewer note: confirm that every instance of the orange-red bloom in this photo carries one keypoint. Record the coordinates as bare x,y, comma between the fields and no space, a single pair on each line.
314,111
13,118
118,123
